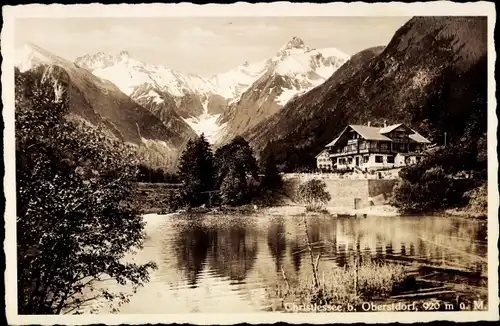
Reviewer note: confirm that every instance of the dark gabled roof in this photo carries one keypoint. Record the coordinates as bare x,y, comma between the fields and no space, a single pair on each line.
369,133
390,128
377,133
333,142
418,137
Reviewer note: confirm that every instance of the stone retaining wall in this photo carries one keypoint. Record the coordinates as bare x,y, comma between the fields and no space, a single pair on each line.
344,192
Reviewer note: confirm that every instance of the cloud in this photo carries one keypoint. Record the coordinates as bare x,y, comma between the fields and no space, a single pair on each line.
196,39
196,33
253,29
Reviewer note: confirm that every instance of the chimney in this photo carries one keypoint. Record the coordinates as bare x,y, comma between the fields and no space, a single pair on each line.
385,123
369,123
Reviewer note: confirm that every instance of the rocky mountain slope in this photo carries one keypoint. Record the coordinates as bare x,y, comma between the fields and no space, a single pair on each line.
432,75
100,102
295,69
170,95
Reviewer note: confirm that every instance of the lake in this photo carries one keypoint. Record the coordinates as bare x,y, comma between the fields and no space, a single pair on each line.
232,263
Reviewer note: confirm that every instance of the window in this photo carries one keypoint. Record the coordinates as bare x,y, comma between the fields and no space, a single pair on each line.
390,159
383,147
349,160
365,159
379,159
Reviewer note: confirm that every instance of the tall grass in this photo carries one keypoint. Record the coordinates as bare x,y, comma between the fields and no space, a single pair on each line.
351,284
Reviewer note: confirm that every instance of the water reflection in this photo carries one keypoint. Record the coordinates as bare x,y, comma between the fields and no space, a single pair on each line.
191,244
229,250
233,251
276,240
207,260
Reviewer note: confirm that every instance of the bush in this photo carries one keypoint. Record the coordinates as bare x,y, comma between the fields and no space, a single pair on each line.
313,195
425,187
174,200
478,199
420,190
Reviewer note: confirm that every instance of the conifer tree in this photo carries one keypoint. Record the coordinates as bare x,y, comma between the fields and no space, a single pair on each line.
272,179
196,171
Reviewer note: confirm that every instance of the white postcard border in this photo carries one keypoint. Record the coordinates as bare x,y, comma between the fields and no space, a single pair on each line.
438,8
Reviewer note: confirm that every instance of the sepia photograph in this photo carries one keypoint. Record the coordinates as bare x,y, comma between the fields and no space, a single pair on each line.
250,163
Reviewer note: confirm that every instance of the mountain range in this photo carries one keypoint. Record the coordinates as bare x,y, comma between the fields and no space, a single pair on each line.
98,101
293,103
219,106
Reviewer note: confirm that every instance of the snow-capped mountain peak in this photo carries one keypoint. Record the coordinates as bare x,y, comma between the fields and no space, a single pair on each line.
295,42
30,55
292,59
123,55
128,73
295,45
101,60
295,69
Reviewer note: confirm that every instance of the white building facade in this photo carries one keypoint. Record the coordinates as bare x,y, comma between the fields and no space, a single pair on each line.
372,148
323,161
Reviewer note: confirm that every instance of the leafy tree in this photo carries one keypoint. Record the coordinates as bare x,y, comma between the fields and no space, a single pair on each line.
423,188
74,225
234,189
196,170
237,154
420,190
234,162
313,194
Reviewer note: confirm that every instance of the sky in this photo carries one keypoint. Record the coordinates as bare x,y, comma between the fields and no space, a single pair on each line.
202,45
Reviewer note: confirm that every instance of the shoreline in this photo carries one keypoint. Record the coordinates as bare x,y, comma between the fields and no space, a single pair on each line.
380,210
152,219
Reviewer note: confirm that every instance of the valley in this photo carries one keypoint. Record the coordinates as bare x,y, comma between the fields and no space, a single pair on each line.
226,104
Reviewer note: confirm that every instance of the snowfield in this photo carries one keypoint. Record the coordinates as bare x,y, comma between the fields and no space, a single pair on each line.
206,124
